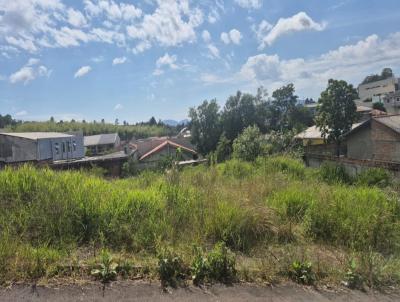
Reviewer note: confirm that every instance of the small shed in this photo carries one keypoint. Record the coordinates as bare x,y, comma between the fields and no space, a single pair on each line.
101,143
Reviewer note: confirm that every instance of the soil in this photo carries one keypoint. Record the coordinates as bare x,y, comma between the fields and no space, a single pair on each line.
145,291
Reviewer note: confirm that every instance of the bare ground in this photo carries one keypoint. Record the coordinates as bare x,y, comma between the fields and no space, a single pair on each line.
145,291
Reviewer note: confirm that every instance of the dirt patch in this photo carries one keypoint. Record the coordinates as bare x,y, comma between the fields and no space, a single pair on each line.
145,291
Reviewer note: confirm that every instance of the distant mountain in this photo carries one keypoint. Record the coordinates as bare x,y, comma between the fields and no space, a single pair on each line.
174,123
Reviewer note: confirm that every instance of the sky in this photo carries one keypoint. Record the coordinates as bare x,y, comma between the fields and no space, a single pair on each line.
94,59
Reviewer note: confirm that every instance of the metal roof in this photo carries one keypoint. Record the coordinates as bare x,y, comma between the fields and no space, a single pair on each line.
313,132
100,139
391,121
37,135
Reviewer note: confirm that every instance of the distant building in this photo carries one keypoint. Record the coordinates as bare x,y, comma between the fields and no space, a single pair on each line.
149,152
101,143
375,91
40,146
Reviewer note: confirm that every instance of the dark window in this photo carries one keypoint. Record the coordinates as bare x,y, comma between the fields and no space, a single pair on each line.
63,147
57,148
69,146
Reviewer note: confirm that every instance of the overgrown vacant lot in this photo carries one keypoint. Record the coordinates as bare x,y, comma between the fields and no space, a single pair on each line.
279,219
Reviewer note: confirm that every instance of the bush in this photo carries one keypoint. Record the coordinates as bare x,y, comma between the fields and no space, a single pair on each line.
302,272
285,164
129,168
248,145
222,264
236,168
374,177
171,268
333,173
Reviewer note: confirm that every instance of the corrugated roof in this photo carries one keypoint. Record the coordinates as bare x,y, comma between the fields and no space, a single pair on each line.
166,143
37,135
391,121
100,139
314,133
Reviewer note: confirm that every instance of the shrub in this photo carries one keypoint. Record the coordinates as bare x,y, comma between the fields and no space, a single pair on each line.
236,168
200,268
129,168
374,177
107,269
248,145
284,164
353,278
222,264
302,272
333,173
171,268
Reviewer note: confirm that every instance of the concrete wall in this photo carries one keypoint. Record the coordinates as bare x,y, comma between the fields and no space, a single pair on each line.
359,144
386,143
15,149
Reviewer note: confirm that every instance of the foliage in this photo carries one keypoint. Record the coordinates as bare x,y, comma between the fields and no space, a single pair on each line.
8,121
379,106
353,278
249,145
374,177
107,270
302,272
129,168
334,173
126,132
280,142
222,264
171,268
284,106
224,149
200,267
205,126
336,112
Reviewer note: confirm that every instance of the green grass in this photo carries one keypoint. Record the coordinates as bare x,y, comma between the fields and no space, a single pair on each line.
269,213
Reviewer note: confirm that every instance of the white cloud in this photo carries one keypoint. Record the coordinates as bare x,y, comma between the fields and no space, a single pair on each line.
29,72
112,10
310,76
299,22
213,50
82,71
21,113
233,36
97,59
25,44
206,36
172,23
165,61
120,60
249,3
76,18
118,107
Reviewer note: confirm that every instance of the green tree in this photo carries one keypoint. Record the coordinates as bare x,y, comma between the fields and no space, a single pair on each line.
378,106
283,107
248,145
224,149
152,121
205,126
336,111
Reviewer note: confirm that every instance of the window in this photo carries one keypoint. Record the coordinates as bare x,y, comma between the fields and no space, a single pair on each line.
63,147
74,146
398,99
69,146
57,148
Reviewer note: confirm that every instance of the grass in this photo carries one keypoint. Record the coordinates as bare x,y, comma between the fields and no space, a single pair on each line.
270,214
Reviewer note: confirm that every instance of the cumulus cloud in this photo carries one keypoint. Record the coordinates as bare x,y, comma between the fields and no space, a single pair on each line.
165,61
82,71
249,3
31,25
30,71
172,23
233,36
76,18
118,61
206,36
299,22
310,76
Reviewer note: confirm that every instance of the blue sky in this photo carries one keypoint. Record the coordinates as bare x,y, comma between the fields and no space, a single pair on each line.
131,60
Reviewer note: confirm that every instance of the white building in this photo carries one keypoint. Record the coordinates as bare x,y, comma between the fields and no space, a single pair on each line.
375,91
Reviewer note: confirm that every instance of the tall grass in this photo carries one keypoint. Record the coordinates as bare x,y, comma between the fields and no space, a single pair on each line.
248,206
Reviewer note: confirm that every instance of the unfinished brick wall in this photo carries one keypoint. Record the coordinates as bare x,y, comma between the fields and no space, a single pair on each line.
386,143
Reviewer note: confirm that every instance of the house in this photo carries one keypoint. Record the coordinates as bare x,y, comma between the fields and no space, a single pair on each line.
40,146
101,143
149,152
377,139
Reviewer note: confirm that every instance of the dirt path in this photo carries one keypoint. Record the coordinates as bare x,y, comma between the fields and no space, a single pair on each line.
141,291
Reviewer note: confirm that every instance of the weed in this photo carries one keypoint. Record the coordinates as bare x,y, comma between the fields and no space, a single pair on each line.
107,270
222,264
374,177
334,173
353,278
171,269
302,272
